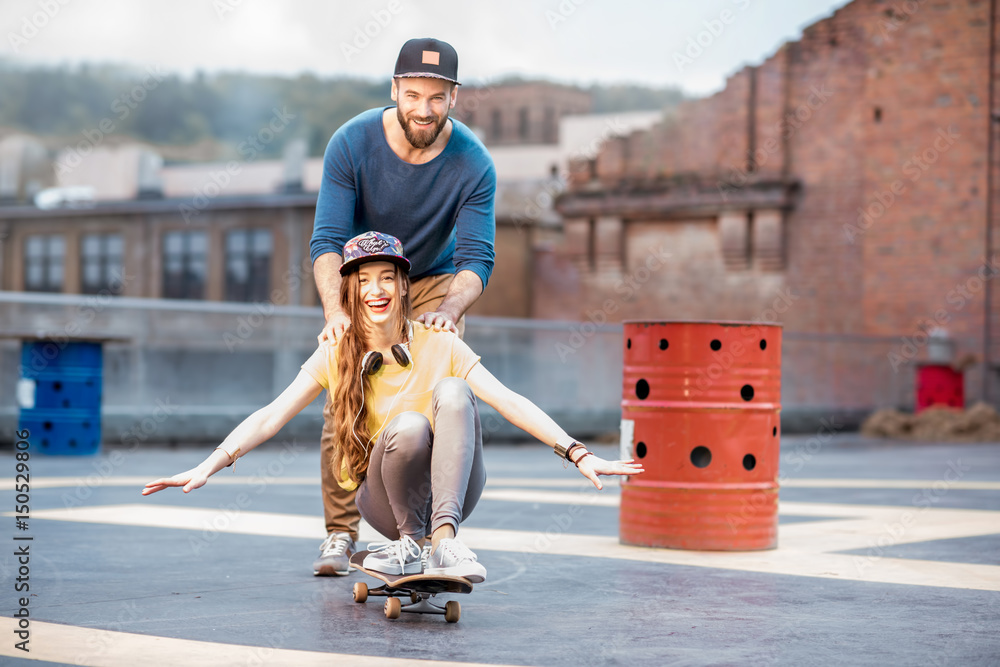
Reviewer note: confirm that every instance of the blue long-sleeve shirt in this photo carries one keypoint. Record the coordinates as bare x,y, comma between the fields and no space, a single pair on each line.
442,211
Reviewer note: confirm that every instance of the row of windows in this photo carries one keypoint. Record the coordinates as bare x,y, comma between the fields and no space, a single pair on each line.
496,125
185,264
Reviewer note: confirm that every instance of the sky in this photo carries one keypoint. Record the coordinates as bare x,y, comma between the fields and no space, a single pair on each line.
691,44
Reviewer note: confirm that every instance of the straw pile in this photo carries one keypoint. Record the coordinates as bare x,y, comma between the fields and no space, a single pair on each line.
980,423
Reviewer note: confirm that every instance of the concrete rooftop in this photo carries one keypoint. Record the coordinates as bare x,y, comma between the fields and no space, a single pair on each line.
222,576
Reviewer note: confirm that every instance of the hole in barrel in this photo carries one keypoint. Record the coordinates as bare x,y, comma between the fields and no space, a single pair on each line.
628,344
47,426
747,392
701,457
640,450
57,386
716,344
763,344
749,461
774,431
642,389
664,344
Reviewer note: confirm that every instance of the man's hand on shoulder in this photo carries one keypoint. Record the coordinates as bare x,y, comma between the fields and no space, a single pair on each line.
439,321
335,327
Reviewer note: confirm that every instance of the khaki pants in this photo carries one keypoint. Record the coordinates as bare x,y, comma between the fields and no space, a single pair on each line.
339,509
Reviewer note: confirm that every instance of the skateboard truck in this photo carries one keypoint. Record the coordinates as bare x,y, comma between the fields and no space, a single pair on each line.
419,588
420,602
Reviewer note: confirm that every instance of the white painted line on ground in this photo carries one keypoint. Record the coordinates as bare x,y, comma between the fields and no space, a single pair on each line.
96,480
74,645
804,548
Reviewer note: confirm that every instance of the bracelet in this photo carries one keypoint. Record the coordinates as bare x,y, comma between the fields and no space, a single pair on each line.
232,457
585,455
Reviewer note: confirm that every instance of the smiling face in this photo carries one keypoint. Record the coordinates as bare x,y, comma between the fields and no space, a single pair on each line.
422,106
381,291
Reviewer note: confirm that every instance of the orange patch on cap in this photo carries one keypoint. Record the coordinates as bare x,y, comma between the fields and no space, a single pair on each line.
431,58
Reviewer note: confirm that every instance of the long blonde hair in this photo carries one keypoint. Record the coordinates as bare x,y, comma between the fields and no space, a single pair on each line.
353,391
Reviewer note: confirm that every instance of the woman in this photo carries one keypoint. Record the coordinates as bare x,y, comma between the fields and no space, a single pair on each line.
408,432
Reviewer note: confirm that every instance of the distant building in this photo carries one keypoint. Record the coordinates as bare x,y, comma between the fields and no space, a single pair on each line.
239,230
525,113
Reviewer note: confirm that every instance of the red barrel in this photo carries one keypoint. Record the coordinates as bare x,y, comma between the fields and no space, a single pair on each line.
938,384
700,410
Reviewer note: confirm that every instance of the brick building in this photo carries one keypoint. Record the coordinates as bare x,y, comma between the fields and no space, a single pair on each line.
519,113
842,187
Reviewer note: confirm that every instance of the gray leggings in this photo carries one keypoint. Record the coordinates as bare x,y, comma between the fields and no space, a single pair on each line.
419,478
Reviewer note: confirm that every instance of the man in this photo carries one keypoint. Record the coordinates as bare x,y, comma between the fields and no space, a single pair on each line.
412,172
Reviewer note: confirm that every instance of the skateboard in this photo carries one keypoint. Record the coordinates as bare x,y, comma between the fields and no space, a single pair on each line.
420,588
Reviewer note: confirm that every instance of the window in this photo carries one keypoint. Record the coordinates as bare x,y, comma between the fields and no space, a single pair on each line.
101,264
184,265
497,126
550,131
43,263
523,127
248,265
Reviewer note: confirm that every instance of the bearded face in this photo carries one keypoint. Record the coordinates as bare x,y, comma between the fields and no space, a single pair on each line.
422,106
420,131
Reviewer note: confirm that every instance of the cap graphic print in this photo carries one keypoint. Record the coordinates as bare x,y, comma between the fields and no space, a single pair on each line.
373,247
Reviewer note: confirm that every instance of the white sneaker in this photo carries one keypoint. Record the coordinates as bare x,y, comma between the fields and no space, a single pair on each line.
399,557
334,556
454,559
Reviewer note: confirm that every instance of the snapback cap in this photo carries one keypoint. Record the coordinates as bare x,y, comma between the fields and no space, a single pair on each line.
373,247
426,57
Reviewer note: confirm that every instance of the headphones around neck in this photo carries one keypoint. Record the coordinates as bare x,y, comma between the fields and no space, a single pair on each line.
372,361
370,364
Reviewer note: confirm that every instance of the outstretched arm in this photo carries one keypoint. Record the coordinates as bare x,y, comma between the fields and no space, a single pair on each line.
259,427
527,416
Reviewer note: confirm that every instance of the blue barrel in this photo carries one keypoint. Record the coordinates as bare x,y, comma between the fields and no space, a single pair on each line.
60,396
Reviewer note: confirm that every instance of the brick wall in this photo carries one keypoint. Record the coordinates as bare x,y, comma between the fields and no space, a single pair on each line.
879,109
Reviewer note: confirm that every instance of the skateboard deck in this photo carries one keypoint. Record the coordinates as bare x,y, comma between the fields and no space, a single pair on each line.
419,588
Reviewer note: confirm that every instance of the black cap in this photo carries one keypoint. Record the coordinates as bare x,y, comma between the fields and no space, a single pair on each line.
426,57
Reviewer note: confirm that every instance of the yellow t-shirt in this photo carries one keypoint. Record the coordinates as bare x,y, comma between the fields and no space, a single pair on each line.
436,355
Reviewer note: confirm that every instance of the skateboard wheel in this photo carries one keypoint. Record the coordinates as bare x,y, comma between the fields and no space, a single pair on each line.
360,591
392,608
452,611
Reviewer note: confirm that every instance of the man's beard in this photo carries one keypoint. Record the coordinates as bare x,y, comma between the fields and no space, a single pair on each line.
418,137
